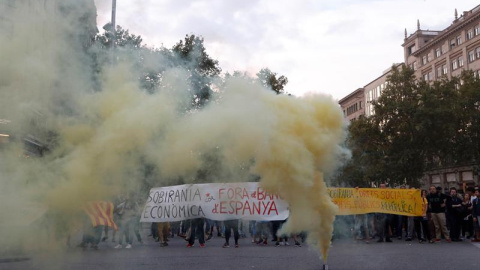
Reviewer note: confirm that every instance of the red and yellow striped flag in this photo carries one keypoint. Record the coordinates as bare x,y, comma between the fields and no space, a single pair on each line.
101,213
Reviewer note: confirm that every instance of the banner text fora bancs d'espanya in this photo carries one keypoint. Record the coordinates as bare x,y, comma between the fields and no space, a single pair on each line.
215,201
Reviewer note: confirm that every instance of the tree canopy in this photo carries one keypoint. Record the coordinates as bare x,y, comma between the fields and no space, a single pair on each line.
271,80
417,126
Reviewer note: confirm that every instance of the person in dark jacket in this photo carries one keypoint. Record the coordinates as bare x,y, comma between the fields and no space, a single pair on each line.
436,204
476,212
454,214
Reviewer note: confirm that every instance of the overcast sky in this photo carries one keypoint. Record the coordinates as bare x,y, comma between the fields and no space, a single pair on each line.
326,46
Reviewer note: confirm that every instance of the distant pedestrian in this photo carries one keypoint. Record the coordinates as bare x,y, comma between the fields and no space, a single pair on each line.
125,213
229,226
421,222
163,233
197,230
467,223
383,223
437,203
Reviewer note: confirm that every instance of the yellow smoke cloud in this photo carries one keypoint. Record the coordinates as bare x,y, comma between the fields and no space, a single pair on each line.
103,139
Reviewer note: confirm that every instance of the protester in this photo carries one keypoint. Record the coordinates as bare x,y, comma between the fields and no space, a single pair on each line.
437,204
253,230
454,214
361,231
125,212
135,220
421,222
262,230
91,235
197,230
383,223
402,222
361,228
476,214
163,233
229,226
275,226
431,225
154,231
467,222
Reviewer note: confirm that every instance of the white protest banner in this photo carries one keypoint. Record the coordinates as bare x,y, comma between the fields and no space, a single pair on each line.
216,201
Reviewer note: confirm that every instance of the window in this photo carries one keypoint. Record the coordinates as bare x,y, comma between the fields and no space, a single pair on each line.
477,30
360,104
439,72
429,57
424,60
454,64
414,67
470,34
438,52
478,52
459,40
425,77
471,56
444,69
460,61
411,49
452,43
430,75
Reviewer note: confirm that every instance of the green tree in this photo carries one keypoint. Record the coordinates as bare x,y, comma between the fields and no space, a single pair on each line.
367,163
467,139
191,54
417,126
437,122
123,38
396,113
271,80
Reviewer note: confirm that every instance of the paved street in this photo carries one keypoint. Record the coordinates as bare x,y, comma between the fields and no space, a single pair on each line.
345,254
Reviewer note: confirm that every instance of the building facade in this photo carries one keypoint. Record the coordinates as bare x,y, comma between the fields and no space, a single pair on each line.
353,105
434,55
374,89
437,54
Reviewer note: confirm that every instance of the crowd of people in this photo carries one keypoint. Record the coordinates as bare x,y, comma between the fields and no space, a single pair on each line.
448,216
204,230
127,216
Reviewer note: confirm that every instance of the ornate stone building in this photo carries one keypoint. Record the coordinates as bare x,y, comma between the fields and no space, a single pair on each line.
434,54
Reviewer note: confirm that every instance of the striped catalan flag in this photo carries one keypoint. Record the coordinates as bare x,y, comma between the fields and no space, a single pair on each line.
101,213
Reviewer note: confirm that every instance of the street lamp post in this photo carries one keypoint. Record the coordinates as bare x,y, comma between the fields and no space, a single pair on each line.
114,9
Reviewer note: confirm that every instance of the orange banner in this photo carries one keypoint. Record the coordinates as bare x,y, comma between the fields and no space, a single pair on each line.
352,201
